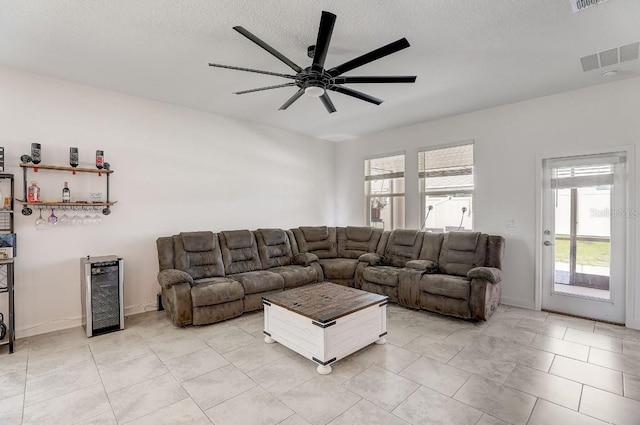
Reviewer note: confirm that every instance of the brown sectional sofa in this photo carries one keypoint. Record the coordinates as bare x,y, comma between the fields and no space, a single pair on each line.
207,277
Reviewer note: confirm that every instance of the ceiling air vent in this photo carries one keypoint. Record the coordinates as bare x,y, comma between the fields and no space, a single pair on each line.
580,5
610,57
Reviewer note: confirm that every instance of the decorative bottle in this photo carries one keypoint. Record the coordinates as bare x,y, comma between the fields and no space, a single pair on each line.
99,159
66,193
73,157
33,193
35,153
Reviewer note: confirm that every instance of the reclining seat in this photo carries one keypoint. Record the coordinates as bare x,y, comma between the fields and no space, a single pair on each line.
352,243
468,282
276,256
242,263
380,274
320,241
194,287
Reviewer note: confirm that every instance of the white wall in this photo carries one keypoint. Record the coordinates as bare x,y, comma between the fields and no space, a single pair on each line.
507,140
175,169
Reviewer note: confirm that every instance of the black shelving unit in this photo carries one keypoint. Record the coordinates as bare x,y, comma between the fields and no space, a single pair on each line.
6,264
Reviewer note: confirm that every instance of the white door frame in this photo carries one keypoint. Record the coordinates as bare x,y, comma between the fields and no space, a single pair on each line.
632,295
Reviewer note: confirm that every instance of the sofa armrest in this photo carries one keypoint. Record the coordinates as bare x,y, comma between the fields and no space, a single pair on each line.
490,274
372,258
304,259
169,277
423,265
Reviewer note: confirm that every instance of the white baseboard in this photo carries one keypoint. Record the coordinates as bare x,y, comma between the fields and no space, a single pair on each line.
516,302
72,322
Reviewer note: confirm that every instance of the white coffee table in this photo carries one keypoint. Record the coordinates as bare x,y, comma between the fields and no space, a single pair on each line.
325,322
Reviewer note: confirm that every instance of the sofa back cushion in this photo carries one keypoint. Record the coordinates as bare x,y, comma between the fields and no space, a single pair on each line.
318,240
462,251
495,252
166,257
404,245
239,251
274,247
198,253
431,246
355,241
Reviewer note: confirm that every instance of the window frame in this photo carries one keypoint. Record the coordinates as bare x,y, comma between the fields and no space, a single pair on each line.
368,195
423,193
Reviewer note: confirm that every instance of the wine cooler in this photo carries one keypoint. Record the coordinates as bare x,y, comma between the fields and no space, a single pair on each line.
102,294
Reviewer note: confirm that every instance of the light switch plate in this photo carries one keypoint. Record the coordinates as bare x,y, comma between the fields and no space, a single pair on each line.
511,222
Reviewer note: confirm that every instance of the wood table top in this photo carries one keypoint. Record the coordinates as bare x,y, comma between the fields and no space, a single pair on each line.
325,301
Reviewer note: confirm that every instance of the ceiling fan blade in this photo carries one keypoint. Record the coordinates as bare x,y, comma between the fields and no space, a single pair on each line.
327,23
356,94
369,57
326,101
265,88
238,68
292,99
268,48
376,79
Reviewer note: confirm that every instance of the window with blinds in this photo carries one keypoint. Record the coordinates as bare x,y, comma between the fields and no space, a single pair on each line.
384,191
446,188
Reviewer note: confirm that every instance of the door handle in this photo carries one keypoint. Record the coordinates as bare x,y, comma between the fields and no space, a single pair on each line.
547,243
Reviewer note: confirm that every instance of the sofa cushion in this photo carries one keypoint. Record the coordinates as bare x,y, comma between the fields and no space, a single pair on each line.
424,265
446,285
199,263
216,290
166,255
295,276
274,247
355,241
259,281
197,241
239,251
359,234
403,245
315,234
238,239
338,268
319,240
382,275
431,246
463,241
459,262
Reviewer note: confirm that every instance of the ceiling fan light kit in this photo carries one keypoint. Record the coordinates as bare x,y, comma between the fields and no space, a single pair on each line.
316,80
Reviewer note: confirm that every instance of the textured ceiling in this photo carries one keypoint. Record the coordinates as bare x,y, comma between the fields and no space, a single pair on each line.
468,55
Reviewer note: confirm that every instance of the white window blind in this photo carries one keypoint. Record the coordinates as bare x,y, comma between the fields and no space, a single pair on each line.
597,171
447,169
388,167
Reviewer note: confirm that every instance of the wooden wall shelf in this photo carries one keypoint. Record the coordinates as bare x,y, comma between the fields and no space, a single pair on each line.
59,168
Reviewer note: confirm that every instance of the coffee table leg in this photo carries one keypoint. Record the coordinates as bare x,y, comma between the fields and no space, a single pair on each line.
382,340
324,369
269,340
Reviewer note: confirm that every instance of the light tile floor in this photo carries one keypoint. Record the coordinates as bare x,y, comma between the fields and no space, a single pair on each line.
521,367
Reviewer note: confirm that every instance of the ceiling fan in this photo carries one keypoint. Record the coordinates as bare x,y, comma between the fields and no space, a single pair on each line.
315,80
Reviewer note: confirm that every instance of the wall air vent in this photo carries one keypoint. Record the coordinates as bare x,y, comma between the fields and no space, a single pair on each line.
580,5
610,57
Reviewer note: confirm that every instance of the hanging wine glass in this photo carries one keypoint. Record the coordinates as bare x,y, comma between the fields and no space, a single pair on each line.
87,219
76,220
52,220
40,222
65,220
97,219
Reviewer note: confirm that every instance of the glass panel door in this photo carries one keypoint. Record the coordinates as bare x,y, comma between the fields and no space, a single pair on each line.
584,236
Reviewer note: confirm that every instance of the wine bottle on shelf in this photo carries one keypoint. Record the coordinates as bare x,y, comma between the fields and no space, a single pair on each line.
35,153
99,159
73,157
66,193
